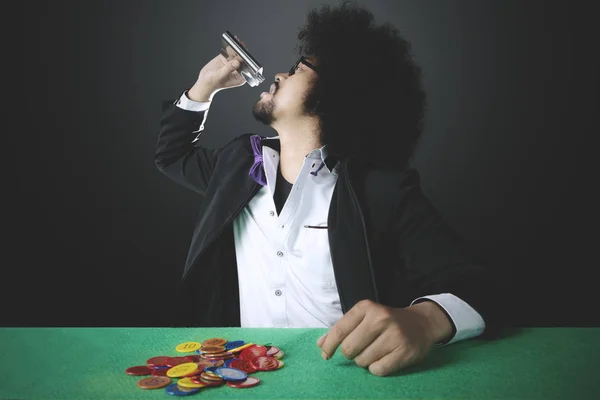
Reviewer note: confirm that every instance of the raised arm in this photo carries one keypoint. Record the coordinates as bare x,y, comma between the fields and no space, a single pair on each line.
178,153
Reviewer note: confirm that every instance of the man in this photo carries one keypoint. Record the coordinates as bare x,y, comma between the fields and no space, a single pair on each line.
326,225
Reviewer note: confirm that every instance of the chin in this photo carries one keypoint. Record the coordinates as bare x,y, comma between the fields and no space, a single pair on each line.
264,112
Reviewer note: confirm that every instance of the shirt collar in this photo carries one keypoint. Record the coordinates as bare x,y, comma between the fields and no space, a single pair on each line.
320,154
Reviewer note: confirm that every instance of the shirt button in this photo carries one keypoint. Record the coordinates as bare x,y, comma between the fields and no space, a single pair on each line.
271,213
278,292
280,254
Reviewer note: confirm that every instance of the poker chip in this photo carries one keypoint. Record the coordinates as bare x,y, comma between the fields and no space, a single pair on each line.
160,361
174,361
243,365
253,352
238,349
227,362
231,374
217,362
195,372
272,350
214,342
158,367
182,370
265,363
189,384
160,372
211,349
209,383
188,347
209,363
155,382
193,358
175,390
251,381
139,370
234,344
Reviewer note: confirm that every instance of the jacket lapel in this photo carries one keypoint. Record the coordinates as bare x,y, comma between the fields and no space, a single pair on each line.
348,244
225,199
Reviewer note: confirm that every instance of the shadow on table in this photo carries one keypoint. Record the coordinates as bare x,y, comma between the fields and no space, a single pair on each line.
441,356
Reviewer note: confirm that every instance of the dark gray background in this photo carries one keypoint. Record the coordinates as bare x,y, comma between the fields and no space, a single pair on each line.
99,237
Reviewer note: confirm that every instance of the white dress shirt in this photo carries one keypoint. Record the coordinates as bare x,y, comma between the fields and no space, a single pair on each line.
285,271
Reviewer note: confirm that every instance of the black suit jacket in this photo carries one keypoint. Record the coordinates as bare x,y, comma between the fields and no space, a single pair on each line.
387,241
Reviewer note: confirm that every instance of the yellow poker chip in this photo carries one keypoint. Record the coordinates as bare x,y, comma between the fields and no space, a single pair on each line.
182,369
189,384
281,364
188,347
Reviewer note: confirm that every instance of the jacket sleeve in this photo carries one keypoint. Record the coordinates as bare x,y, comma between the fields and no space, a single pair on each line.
438,259
178,155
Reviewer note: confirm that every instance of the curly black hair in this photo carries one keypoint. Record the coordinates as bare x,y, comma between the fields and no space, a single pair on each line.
368,94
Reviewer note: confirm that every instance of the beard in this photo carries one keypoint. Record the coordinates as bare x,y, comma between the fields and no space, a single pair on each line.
263,112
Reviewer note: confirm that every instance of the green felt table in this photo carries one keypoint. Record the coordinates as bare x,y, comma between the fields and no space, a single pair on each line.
90,363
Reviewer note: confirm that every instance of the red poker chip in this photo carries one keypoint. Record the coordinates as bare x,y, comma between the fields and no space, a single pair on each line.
160,372
243,365
193,359
265,363
253,352
174,361
272,351
249,382
139,370
160,361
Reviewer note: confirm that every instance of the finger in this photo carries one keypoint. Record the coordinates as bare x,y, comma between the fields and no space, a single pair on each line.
391,363
360,338
228,69
383,345
320,340
240,40
340,330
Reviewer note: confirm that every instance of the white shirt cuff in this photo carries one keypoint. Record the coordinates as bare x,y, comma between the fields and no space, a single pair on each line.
186,103
467,321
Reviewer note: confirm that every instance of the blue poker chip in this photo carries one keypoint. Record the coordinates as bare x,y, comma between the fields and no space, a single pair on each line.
234,344
211,369
175,390
227,362
231,374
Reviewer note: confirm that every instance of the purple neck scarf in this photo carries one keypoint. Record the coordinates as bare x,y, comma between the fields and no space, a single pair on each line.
257,171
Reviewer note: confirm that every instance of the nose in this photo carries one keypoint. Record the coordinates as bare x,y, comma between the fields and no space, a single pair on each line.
279,76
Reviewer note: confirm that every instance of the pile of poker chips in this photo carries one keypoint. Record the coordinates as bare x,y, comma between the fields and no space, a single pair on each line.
217,362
